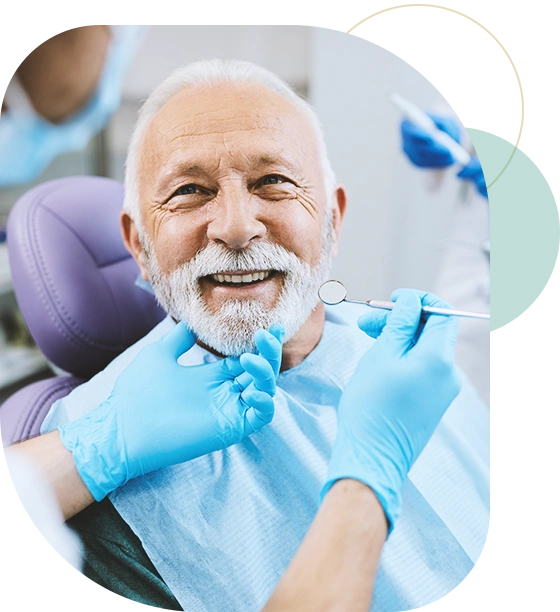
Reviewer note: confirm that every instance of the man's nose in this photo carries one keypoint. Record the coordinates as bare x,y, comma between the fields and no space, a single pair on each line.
235,223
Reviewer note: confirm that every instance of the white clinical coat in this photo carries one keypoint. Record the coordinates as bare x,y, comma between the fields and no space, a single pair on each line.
464,281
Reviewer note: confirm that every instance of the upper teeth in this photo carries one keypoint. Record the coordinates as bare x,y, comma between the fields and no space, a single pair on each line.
240,278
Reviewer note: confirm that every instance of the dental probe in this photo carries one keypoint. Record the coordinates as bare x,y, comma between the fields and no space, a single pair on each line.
424,121
333,292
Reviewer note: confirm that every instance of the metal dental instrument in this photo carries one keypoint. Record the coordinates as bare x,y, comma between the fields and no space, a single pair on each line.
334,292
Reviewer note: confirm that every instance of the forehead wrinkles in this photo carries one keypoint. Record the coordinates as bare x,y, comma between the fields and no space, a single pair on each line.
219,111
218,123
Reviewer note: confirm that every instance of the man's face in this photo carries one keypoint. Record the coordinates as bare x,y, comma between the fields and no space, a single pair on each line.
234,212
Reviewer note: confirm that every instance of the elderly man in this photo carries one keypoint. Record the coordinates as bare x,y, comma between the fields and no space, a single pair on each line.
233,215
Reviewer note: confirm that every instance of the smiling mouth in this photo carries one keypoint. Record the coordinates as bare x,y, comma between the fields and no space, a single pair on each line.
240,278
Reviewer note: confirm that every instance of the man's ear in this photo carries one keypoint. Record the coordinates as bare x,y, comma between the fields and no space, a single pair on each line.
338,212
131,241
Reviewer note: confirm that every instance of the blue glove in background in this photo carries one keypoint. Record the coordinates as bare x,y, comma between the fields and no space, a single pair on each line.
424,152
396,397
473,172
161,413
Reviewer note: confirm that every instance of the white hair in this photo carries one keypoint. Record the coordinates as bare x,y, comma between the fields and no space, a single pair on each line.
210,72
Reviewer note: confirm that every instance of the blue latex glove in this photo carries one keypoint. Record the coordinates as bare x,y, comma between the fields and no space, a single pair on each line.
161,413
473,172
396,397
424,152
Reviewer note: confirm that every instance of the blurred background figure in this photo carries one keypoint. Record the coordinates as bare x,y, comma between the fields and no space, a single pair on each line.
406,226
60,98
54,114
63,93
464,278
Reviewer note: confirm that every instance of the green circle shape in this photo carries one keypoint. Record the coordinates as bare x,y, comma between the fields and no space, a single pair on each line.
524,229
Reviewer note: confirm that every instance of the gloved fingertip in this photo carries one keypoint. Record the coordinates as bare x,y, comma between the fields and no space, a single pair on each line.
364,320
465,173
268,345
264,337
184,329
372,323
471,169
407,127
447,125
408,304
179,340
248,359
253,396
367,319
278,331
407,292
261,408
261,370
261,335
244,380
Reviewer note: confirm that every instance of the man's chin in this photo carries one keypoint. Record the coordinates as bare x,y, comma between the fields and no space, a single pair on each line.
222,351
214,350
228,335
227,348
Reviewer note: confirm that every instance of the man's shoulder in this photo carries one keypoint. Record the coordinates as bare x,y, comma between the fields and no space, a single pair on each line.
345,313
89,395
112,371
155,334
342,322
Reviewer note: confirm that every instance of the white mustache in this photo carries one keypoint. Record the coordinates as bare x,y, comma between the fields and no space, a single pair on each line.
216,258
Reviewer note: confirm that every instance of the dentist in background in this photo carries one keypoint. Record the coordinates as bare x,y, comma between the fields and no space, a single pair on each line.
464,278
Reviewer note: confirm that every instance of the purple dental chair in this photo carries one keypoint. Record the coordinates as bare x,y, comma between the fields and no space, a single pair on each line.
74,283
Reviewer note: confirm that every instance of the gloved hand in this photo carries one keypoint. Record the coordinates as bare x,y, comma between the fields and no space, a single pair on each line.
473,172
161,413
395,398
424,152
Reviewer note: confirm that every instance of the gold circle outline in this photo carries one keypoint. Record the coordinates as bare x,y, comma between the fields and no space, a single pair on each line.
444,8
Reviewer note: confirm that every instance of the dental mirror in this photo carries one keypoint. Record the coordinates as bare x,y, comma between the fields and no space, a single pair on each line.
334,292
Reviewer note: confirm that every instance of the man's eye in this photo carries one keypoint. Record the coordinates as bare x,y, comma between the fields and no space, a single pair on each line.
272,179
186,190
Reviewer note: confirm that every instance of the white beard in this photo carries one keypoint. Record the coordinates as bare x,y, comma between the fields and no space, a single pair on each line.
230,331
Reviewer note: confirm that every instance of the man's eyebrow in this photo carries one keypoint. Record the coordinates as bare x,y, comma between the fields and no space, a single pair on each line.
195,170
185,168
265,161
180,170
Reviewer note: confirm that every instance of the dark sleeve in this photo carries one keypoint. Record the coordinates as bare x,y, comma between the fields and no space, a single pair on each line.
115,558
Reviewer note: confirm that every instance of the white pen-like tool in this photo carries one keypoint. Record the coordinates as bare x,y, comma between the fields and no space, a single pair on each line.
424,121
334,292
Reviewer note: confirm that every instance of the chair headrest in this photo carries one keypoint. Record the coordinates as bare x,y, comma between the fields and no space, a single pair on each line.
73,277
23,413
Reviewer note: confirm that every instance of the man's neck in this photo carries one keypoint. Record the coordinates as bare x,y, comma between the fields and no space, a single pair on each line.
305,340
